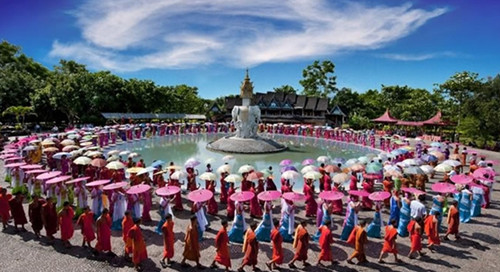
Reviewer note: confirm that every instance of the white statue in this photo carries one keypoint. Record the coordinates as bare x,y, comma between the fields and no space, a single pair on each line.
246,120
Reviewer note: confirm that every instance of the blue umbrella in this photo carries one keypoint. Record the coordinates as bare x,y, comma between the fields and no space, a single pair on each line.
157,163
429,158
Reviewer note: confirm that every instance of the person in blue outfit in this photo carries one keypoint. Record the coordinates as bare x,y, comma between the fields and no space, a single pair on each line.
395,207
326,220
437,207
477,200
263,231
464,205
238,228
374,229
404,216
351,217
287,227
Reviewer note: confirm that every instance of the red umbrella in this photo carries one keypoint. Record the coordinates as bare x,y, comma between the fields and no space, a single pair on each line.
379,196
242,196
77,180
57,179
255,175
462,179
269,195
138,189
168,190
359,193
412,190
116,185
98,163
14,165
48,175
37,171
331,195
31,166
332,169
292,196
372,176
200,195
98,182
443,187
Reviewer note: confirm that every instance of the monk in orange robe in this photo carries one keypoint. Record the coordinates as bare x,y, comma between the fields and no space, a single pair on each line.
250,248
168,240
192,245
301,245
431,230
415,231
103,226
66,223
453,221
325,241
5,207
17,211
277,241
139,252
127,224
221,244
86,223
359,243
391,234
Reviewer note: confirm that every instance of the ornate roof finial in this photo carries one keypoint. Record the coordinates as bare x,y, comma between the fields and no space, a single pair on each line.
246,87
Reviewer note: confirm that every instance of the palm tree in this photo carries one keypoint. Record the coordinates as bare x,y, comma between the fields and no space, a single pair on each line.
19,112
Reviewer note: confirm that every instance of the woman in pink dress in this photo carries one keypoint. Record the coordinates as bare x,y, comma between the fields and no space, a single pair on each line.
223,190
311,204
255,208
212,207
147,202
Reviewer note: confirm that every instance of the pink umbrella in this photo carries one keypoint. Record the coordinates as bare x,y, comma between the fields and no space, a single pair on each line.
99,163
443,187
484,174
286,162
242,196
493,162
98,182
31,166
331,195
14,165
48,175
308,162
269,195
77,180
9,151
359,193
372,176
379,196
3,157
15,158
462,179
138,189
168,190
292,196
255,175
57,179
37,171
114,186
412,191
200,195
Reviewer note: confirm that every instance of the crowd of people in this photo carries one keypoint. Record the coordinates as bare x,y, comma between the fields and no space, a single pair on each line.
60,182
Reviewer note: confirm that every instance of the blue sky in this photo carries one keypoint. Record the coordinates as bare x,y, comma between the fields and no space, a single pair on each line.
209,44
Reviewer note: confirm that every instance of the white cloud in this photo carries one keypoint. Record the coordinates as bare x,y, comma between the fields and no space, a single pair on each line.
418,57
130,35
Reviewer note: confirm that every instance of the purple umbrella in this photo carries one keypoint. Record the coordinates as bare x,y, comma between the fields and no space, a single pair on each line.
286,162
308,162
289,168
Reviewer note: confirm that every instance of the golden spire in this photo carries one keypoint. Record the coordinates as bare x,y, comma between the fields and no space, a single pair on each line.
246,87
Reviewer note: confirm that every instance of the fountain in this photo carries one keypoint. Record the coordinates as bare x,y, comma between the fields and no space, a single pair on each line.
246,119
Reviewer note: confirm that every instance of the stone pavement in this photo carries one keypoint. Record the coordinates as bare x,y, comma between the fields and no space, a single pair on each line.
477,251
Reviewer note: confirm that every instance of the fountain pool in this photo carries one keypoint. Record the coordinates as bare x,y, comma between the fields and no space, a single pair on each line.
179,148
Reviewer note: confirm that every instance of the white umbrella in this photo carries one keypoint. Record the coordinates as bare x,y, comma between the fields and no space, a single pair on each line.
290,174
233,178
178,175
453,163
133,155
59,155
228,158
313,175
309,168
29,148
82,160
115,165
146,170
113,158
207,176
124,153
341,178
225,168
245,169
427,169
323,159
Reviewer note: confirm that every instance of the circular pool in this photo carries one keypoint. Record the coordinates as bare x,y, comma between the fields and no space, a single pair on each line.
179,148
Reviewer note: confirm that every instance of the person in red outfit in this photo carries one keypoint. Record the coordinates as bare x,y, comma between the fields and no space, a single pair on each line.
17,211
325,242
103,227
453,221
86,223
168,240
250,248
301,245
431,230
5,207
221,244
391,233
277,241
415,231
65,218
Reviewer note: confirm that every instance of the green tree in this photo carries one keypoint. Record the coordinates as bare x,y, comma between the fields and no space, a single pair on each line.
318,79
19,112
348,101
286,89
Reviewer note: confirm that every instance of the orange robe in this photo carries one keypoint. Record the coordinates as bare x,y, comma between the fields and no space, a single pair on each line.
277,241
192,245
325,241
66,224
139,252
127,224
86,221
391,233
301,243
431,230
168,239
352,237
359,247
415,236
104,235
454,220
221,243
250,248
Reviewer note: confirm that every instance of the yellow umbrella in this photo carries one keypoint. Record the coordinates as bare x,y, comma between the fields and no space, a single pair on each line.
134,170
51,149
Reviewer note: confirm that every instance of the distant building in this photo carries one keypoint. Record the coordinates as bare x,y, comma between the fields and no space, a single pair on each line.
277,107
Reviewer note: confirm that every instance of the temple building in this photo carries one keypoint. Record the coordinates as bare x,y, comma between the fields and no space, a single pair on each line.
278,107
